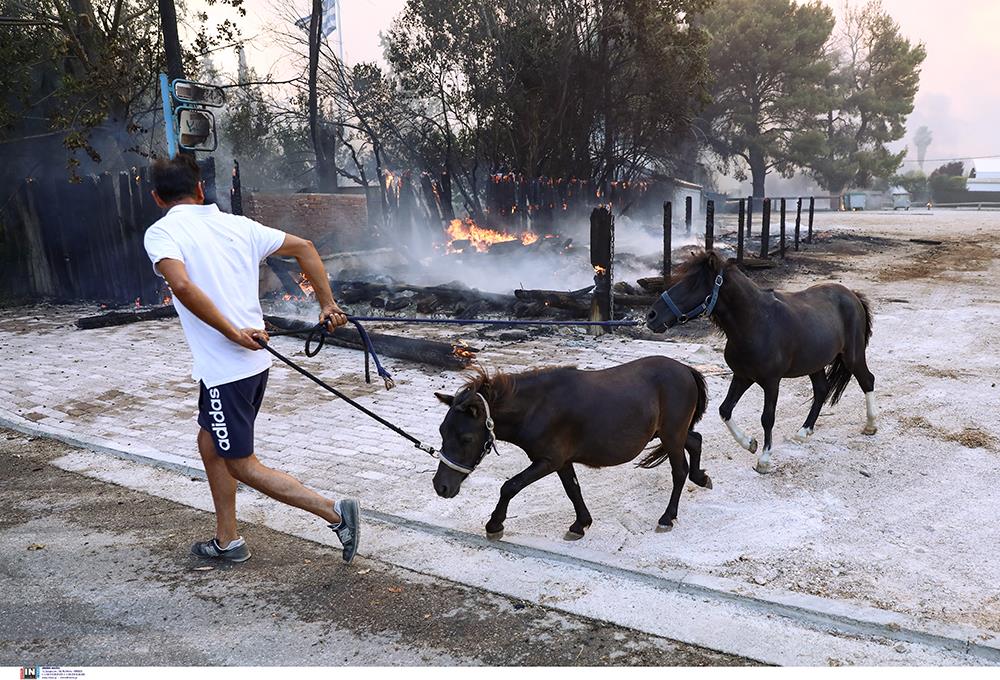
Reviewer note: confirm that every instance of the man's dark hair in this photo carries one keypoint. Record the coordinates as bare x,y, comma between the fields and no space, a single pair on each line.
175,178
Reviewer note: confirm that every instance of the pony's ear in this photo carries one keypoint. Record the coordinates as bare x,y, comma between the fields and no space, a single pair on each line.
715,261
445,399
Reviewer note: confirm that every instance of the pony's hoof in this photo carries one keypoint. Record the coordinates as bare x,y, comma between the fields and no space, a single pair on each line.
572,536
752,446
869,430
708,482
494,535
664,528
802,436
762,468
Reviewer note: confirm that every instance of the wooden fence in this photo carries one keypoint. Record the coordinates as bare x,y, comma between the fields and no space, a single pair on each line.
68,242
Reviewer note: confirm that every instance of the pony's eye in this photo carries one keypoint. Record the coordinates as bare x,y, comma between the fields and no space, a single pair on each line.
467,438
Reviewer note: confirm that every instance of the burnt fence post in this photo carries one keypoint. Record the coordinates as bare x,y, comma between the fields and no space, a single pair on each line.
667,241
798,222
710,225
812,207
236,193
781,242
687,215
749,215
765,228
602,251
739,233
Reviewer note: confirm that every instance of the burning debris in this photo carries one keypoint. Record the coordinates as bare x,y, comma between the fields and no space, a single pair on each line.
464,233
307,292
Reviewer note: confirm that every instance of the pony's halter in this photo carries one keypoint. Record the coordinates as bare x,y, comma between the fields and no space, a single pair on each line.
706,307
491,444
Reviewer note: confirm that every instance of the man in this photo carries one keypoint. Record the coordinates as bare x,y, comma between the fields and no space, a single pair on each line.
211,261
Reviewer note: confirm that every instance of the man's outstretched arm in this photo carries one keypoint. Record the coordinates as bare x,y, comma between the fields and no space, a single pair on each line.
306,255
195,299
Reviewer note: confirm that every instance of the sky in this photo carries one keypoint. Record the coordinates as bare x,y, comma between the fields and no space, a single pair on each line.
959,97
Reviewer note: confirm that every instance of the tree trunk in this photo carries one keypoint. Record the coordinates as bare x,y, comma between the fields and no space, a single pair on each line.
758,171
326,173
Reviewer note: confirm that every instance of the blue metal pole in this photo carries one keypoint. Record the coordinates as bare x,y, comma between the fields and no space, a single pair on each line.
168,116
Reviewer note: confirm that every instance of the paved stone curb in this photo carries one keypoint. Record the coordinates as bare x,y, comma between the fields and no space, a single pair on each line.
841,617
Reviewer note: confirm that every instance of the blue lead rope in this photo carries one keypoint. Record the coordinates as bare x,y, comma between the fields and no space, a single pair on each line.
318,334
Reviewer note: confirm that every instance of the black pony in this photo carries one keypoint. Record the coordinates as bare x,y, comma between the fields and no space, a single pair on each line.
821,332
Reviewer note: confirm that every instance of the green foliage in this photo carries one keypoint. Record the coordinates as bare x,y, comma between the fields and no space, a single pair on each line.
83,75
914,182
592,88
952,169
272,148
870,94
768,60
947,183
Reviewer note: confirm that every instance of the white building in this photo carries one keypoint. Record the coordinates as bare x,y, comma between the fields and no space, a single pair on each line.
985,175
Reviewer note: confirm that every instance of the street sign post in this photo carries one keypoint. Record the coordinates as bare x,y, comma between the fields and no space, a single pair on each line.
190,125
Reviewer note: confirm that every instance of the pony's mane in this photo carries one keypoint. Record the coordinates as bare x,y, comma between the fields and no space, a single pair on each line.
499,387
701,262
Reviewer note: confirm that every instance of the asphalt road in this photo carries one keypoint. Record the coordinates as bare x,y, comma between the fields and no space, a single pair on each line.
96,574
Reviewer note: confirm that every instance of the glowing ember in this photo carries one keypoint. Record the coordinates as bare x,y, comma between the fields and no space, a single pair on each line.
307,290
481,238
168,300
462,351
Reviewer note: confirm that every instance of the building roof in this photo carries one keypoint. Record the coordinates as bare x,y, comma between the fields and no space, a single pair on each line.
985,167
898,191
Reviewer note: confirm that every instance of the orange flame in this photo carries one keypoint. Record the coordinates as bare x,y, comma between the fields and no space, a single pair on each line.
482,238
308,293
462,351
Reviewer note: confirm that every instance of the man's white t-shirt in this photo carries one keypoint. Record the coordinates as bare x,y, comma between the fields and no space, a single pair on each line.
222,255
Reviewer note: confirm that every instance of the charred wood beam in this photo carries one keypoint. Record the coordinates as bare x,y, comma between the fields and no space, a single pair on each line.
626,300
576,301
121,318
431,352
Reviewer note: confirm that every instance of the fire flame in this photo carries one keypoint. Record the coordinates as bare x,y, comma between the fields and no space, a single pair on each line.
599,270
308,293
462,351
482,238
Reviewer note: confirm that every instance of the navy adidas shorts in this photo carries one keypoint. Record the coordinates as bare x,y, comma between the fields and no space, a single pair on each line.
228,411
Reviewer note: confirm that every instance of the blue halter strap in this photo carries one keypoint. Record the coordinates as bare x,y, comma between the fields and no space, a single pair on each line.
706,307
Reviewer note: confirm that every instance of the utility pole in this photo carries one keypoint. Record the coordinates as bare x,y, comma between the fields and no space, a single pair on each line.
171,41
171,48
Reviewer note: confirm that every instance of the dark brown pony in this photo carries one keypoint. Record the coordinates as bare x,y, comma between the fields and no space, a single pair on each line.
821,332
562,416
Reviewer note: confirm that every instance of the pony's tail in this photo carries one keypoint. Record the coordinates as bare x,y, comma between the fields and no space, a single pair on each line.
699,409
869,319
654,457
838,377
660,453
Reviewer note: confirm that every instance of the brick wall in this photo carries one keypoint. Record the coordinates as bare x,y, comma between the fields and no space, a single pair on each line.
336,223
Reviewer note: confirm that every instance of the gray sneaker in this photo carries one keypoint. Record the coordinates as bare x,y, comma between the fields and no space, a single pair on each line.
349,529
211,550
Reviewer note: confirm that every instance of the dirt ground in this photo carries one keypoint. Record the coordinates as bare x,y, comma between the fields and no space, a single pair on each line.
96,574
901,520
